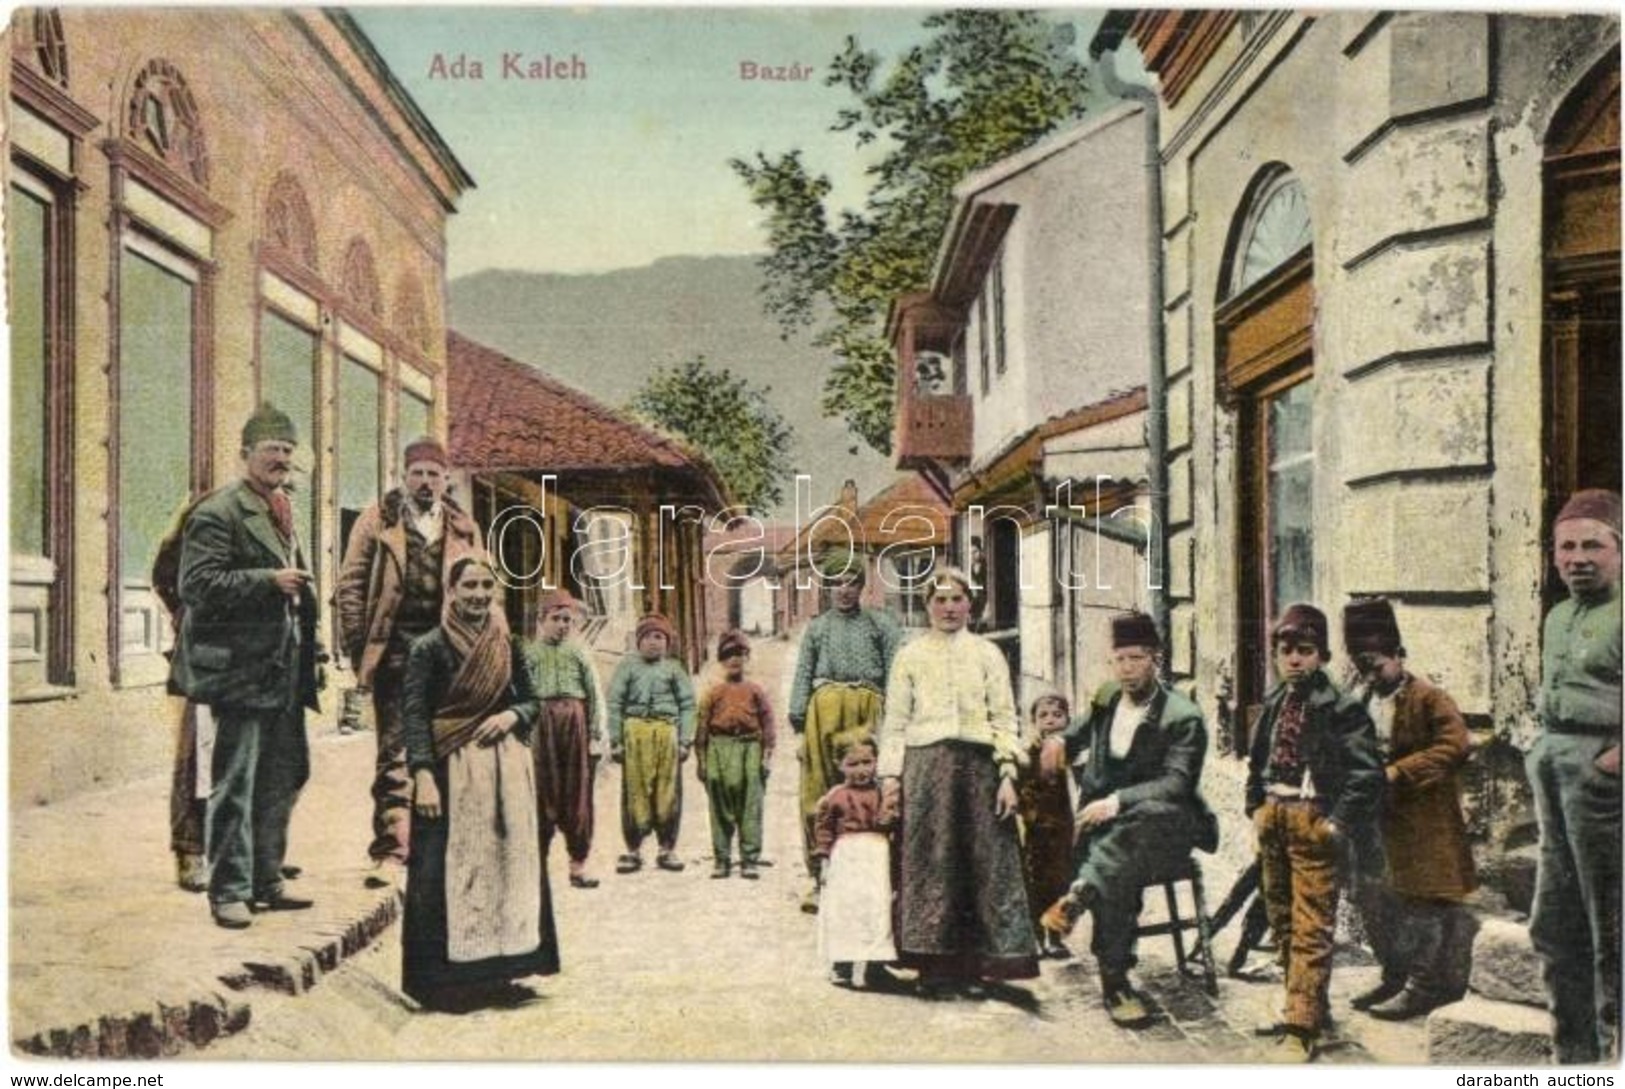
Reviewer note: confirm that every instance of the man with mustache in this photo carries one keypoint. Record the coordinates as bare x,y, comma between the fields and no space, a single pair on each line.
247,648
1574,771
390,591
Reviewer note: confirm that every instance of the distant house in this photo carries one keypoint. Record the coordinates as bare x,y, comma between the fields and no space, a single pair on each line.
1022,394
744,585
900,534
573,494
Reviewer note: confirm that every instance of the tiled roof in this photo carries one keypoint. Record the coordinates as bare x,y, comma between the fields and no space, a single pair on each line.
909,499
508,415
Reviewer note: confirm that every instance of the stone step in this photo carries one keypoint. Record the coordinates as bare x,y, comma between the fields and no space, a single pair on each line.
1476,1031
1506,967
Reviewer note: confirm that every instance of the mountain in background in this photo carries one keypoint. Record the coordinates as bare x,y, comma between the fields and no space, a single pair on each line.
603,332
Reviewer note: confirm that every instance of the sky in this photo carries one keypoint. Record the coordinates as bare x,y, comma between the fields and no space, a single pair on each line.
629,163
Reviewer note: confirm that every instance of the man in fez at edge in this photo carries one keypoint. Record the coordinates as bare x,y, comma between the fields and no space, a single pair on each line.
949,744
390,590
1574,770
1414,867
1142,809
1313,781
839,689
247,648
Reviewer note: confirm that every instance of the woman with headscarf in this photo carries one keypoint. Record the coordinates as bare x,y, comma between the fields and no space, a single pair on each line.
478,910
949,745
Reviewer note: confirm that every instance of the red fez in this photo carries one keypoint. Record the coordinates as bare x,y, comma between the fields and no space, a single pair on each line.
732,642
1304,623
1597,504
654,622
559,599
426,448
1134,630
1369,626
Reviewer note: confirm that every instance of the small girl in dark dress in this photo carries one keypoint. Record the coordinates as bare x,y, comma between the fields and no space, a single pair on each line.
1045,797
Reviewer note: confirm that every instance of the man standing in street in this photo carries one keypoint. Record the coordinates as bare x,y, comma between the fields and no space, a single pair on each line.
1141,805
247,648
1574,771
839,689
390,590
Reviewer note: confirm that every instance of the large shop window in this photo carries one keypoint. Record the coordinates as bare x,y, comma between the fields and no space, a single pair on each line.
1265,322
157,309
289,358
360,433
40,526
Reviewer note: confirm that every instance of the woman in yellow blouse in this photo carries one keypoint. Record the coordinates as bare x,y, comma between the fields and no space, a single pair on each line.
948,750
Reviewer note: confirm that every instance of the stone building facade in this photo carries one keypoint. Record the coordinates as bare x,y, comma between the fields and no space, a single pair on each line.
205,208
1391,305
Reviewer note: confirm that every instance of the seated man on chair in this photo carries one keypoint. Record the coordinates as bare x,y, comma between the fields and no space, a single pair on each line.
1141,809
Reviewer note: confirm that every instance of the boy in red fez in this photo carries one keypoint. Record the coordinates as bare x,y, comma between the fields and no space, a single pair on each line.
1313,780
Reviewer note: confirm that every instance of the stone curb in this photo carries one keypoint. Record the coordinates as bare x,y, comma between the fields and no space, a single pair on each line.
175,1023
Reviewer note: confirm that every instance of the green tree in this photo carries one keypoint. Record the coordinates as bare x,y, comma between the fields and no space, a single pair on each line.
984,85
728,420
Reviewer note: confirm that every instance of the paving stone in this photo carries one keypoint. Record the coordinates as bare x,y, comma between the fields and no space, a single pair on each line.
1478,1031
1506,967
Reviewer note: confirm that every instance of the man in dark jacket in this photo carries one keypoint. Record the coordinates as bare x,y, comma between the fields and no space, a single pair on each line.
1142,810
1313,780
247,648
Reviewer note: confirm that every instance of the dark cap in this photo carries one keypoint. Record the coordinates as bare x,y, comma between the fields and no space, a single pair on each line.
1303,623
656,622
733,642
1134,630
1369,626
269,423
1597,504
425,448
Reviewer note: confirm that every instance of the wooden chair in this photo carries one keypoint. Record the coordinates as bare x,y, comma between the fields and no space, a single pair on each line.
1196,962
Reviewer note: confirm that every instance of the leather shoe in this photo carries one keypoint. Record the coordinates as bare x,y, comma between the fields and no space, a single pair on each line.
582,881
1408,1005
233,915
747,870
669,862
1126,1008
629,864
191,872
283,902
1382,992
1290,1047
721,868
386,872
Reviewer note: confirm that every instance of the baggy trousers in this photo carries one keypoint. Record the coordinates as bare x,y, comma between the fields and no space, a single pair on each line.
1575,921
1299,875
834,713
651,789
261,760
391,784
564,773
733,783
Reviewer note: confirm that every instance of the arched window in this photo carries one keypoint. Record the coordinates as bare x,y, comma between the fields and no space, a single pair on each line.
289,225
1265,327
163,120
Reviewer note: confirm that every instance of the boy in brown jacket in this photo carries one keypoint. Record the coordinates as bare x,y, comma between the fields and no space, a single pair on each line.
1411,904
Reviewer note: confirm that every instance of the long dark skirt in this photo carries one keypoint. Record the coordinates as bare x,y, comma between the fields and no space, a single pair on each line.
425,971
963,905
